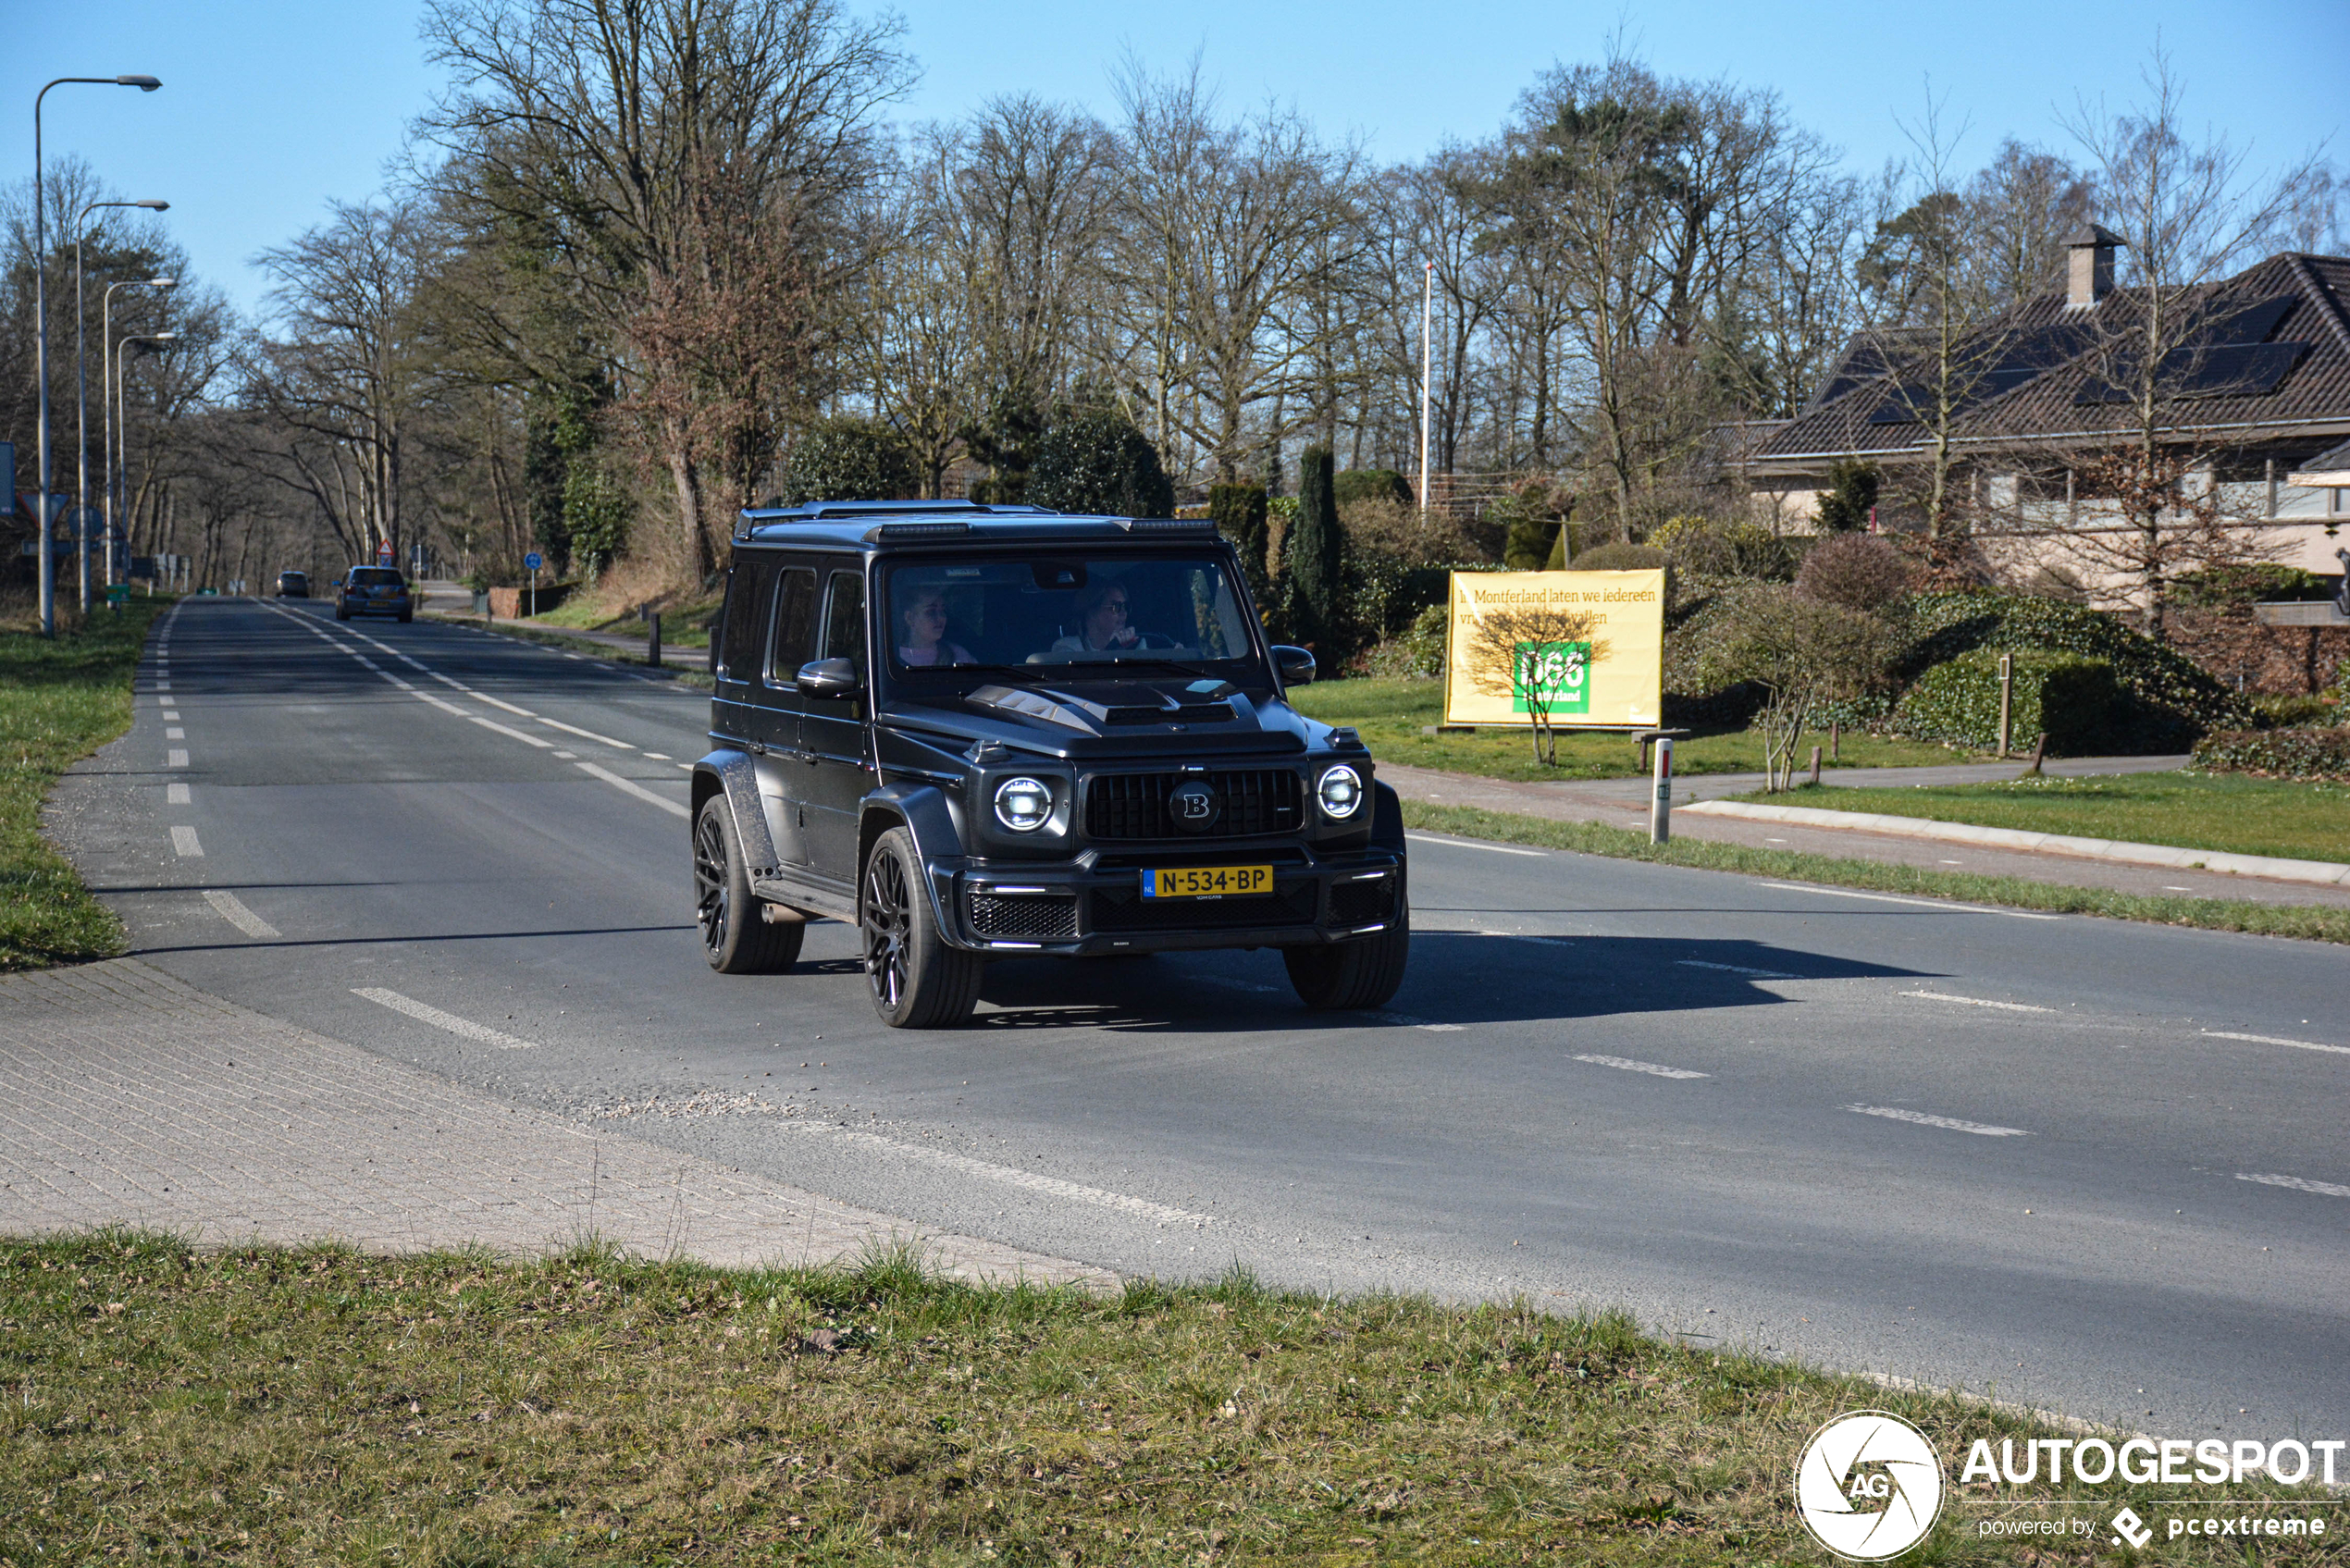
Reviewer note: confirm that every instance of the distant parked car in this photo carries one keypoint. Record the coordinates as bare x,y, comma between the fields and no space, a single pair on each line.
373,590
293,584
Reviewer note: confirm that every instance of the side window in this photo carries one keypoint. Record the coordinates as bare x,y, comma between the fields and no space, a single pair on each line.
746,618
795,627
845,619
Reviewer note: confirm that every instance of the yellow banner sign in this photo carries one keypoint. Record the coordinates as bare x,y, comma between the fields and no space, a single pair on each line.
1586,647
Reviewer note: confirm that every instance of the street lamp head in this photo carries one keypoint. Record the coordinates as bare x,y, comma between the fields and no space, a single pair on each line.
163,282
144,83
153,206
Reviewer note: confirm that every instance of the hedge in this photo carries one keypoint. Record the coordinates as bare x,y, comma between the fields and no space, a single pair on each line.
2286,754
2177,698
2074,701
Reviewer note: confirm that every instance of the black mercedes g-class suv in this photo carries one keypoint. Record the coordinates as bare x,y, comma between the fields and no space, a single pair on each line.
982,732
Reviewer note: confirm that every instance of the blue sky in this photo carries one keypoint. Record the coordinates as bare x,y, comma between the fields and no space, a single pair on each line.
272,106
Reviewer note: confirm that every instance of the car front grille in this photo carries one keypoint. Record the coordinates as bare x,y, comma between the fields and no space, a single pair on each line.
1023,915
1257,800
1124,909
1361,903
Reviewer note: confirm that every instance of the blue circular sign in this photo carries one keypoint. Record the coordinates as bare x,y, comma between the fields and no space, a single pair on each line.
532,561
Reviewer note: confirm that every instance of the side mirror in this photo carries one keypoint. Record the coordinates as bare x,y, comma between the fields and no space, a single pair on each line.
1296,666
830,678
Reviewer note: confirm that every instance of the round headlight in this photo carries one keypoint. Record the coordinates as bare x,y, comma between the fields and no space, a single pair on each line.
1023,804
1341,791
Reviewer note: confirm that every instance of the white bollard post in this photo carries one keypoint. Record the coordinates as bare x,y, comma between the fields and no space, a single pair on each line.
1661,808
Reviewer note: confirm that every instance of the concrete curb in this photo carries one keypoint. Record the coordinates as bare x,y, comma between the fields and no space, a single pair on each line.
2273,867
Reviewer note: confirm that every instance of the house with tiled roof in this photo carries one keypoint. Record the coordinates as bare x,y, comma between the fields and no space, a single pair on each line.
2255,396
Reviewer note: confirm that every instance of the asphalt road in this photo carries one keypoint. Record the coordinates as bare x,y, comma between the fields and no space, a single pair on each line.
2086,1165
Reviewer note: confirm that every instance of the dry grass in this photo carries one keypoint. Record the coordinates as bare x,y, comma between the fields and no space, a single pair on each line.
281,1407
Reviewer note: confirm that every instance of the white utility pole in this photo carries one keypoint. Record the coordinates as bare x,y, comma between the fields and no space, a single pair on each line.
1427,339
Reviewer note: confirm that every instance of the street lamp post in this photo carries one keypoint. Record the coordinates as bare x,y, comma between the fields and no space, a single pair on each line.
120,471
41,328
82,400
105,392
1428,362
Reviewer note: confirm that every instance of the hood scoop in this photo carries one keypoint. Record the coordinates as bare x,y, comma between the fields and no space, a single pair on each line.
1121,704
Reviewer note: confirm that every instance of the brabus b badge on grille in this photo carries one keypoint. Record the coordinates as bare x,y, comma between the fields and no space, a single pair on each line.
1194,806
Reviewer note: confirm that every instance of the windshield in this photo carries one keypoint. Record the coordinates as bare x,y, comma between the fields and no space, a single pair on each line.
998,613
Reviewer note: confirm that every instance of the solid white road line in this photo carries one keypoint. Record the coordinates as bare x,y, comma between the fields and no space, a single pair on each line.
1474,844
1734,969
1051,1186
1979,1002
630,786
233,910
440,1019
183,840
1920,903
175,758
1948,1123
510,733
1628,1065
2274,1040
176,795
2323,1189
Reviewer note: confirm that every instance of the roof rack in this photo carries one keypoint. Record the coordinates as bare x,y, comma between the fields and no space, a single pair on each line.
826,511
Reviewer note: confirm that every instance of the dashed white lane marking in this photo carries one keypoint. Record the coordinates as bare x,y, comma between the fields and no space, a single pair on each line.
1653,1069
584,735
172,731
1012,1176
630,786
658,756
440,1019
176,795
566,757
1978,1002
175,758
1473,844
1919,903
1951,1124
1734,969
2323,1189
2274,1040
170,715
183,842
233,910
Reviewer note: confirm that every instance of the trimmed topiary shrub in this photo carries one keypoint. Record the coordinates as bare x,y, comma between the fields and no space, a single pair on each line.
2072,700
1317,553
1858,571
1621,557
1239,514
1094,460
848,459
2216,586
2280,754
2175,700
1850,497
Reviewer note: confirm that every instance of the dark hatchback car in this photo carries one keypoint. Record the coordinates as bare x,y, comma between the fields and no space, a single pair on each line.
293,584
373,590
979,732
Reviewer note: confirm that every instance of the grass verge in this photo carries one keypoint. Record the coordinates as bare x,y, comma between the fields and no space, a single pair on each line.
2299,819
528,632
277,1406
2313,922
1390,714
60,699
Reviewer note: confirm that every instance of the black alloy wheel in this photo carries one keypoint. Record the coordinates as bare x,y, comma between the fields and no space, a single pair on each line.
917,980
1346,976
736,937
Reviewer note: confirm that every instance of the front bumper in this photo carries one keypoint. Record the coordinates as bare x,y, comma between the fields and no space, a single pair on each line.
1092,904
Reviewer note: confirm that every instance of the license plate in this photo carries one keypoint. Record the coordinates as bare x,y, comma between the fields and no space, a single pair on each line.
1208,881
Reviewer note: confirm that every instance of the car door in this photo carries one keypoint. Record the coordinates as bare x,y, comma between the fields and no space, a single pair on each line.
839,771
778,757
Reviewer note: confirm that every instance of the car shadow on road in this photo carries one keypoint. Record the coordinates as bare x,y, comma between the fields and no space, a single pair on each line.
1459,978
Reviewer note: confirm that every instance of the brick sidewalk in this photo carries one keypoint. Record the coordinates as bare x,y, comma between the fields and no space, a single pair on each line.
128,1098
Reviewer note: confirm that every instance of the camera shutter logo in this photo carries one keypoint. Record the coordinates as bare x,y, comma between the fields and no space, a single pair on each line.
1867,1514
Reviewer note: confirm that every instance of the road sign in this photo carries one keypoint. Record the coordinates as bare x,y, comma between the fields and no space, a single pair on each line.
534,561
383,552
1616,684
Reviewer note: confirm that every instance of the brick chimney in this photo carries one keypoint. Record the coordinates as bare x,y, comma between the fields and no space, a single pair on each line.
2088,270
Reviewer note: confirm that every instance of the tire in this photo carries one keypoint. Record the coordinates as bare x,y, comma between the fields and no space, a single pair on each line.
916,980
341,614
1348,976
406,616
734,937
